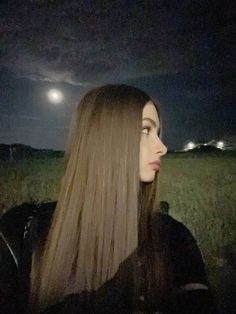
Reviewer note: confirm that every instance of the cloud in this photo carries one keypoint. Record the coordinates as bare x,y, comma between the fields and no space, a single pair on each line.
38,69
83,45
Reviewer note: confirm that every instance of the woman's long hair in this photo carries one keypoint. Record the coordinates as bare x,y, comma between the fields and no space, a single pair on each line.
95,225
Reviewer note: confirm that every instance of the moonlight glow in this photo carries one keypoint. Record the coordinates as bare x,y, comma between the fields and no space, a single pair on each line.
220,144
55,96
189,146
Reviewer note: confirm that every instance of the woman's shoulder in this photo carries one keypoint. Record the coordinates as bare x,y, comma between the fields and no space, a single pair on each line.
170,226
16,218
18,228
186,258
17,222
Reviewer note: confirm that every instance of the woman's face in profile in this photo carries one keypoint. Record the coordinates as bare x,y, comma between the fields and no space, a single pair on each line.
151,147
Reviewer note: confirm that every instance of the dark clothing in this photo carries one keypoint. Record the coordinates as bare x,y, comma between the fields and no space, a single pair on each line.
23,226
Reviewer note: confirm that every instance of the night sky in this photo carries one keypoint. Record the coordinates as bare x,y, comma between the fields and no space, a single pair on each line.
180,52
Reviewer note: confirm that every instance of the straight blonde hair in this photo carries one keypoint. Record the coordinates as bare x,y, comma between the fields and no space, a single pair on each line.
95,225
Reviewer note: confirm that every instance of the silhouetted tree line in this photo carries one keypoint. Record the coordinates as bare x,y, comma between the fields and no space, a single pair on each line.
21,151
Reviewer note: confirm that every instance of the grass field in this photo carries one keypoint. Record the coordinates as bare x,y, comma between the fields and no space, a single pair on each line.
201,193
200,190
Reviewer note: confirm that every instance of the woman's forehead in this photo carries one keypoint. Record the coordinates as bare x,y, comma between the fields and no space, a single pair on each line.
149,111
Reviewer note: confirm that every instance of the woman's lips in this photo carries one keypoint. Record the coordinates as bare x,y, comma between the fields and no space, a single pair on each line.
155,165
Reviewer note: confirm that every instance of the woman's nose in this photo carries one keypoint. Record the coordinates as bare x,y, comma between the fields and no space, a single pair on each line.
162,149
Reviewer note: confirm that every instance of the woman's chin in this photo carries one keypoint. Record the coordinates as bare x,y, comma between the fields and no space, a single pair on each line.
147,177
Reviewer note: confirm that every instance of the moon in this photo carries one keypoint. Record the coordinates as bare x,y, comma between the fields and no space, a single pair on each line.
55,96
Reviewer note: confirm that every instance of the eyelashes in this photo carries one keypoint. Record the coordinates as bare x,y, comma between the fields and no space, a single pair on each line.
149,129
146,128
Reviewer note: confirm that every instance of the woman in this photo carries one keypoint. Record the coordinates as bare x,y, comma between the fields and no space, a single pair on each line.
103,247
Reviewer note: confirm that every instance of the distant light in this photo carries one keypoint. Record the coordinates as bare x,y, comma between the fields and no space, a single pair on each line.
205,144
55,96
190,145
220,144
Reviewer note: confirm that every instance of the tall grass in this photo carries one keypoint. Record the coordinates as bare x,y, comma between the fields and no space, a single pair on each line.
200,190
201,193
29,180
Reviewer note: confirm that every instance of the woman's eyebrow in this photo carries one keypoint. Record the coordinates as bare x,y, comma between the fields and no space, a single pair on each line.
151,121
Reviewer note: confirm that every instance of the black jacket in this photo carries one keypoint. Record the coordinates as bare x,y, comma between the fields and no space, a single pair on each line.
23,226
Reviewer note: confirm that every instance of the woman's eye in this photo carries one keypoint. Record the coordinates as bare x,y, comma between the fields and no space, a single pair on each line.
146,128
